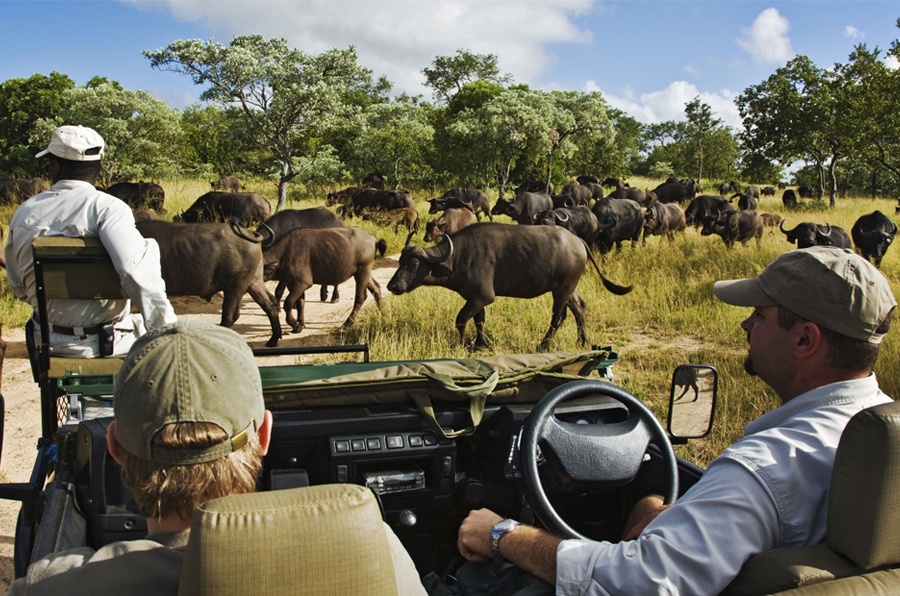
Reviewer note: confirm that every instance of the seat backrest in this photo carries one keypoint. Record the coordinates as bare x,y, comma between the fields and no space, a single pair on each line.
863,516
68,268
864,504
325,539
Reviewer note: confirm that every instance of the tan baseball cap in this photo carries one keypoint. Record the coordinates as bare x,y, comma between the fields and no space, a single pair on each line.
75,143
832,287
189,371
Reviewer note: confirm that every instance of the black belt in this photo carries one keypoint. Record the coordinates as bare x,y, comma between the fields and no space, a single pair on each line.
85,331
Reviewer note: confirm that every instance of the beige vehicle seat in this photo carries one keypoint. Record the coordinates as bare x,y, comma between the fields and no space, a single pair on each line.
325,539
863,542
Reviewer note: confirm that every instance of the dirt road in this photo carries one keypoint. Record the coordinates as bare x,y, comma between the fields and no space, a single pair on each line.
23,422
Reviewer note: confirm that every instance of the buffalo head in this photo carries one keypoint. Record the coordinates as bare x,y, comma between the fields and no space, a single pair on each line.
417,263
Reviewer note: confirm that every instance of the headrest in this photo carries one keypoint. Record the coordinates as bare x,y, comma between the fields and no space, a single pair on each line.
864,504
326,539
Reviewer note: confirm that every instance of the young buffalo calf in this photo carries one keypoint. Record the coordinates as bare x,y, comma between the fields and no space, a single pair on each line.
330,256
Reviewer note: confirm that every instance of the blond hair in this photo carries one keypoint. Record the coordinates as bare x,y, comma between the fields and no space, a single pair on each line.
161,490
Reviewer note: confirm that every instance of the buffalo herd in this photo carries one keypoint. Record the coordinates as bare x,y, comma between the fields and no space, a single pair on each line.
228,240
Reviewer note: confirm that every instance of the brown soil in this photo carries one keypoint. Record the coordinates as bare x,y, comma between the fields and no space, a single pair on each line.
23,417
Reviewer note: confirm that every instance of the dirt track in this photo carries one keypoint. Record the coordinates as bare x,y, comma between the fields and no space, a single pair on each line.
23,422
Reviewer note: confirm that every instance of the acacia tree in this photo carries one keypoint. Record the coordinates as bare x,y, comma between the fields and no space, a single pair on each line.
574,115
286,96
394,138
22,103
797,113
140,131
700,124
501,129
449,74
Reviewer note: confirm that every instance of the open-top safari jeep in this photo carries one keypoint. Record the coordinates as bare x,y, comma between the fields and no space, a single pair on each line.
529,436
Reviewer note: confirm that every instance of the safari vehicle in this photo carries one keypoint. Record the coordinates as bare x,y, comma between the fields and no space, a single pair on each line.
544,438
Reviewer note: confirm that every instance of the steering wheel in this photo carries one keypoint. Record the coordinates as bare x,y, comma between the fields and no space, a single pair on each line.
594,453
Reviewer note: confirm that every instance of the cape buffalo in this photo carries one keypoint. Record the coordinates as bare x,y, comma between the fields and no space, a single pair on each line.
344,197
771,220
227,184
525,262
305,256
789,199
16,190
372,198
470,198
872,235
767,191
286,220
638,195
663,219
525,208
140,195
753,191
704,206
734,226
618,220
745,201
203,259
808,234
579,220
675,192
535,186
450,221
805,192
248,208
581,195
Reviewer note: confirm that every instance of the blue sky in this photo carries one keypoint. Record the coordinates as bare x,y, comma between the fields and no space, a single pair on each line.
648,57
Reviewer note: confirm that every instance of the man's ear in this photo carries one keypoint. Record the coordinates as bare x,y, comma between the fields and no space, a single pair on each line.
265,433
808,339
112,444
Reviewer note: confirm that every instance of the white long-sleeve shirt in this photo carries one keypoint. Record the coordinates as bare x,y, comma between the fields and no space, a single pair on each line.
768,490
75,208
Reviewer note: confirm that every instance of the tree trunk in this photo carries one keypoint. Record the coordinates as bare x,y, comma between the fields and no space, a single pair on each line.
832,166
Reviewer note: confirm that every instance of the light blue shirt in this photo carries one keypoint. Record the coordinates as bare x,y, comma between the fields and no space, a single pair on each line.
769,489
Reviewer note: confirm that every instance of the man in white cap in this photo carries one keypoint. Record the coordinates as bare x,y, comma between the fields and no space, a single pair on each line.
73,207
819,315
190,425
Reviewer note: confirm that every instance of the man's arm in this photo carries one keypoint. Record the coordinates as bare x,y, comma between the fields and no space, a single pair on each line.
527,547
138,262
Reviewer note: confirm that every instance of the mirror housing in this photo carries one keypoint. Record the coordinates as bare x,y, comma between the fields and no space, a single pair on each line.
692,418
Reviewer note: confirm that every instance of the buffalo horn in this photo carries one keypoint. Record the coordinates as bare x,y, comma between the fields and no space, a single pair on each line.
268,238
561,217
435,259
827,231
781,227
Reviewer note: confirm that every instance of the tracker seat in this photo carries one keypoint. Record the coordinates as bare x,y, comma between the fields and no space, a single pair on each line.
67,268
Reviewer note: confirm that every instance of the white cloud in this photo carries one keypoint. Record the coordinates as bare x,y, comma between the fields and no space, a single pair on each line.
892,62
766,40
691,70
668,103
400,38
853,33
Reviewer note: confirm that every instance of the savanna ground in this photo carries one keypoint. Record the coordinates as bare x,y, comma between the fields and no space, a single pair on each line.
670,318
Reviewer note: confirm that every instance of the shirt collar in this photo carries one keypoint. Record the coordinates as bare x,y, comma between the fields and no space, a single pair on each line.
842,392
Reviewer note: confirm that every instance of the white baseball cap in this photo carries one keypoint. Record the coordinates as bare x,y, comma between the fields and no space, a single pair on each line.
75,143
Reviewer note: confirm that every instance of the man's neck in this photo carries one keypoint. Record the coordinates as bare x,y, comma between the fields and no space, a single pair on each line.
168,525
802,385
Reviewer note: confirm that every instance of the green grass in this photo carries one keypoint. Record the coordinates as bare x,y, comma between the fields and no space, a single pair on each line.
671,317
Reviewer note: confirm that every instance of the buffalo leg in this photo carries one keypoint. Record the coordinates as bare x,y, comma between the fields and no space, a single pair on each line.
576,305
470,309
375,289
295,298
269,304
362,284
334,295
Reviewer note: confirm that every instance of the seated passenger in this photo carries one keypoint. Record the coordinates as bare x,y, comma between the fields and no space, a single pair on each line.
73,207
819,315
190,425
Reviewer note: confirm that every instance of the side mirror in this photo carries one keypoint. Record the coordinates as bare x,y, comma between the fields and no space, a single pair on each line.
692,402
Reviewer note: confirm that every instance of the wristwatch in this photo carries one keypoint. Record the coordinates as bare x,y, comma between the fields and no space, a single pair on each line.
501,529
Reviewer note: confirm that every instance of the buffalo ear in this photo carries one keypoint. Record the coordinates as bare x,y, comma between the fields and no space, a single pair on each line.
440,270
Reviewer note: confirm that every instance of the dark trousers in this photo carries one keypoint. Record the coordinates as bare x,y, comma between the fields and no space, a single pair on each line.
492,578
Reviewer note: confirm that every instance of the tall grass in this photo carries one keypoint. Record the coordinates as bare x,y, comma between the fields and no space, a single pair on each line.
670,317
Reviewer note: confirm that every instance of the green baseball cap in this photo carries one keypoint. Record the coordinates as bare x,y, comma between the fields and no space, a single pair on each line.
189,371
832,287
